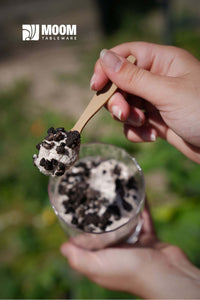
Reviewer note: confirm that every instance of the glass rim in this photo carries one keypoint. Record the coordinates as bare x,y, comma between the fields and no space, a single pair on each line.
135,212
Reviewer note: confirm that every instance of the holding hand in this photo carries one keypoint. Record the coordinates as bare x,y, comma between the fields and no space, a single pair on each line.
149,269
159,96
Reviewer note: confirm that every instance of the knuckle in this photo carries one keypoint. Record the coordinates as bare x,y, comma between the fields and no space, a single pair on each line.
174,252
134,76
180,51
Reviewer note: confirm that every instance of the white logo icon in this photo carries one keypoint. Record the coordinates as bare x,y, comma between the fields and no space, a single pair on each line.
30,32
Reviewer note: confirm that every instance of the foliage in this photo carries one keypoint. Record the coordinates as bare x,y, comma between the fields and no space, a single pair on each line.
31,264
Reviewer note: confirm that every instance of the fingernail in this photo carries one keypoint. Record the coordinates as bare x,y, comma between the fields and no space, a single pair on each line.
111,60
116,111
92,82
149,136
152,137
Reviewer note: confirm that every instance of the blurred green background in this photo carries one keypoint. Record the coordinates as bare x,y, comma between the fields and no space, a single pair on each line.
45,84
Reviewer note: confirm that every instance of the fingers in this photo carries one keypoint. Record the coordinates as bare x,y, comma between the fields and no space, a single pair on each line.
136,81
85,262
99,78
136,128
105,262
122,111
151,57
148,227
113,268
140,134
119,107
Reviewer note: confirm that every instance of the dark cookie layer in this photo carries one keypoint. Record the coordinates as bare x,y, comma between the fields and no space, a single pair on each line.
73,139
84,203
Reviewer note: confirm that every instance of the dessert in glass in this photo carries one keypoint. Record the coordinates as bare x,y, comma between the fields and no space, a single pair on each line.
99,200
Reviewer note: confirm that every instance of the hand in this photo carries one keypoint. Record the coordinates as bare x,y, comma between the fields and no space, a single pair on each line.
164,83
149,269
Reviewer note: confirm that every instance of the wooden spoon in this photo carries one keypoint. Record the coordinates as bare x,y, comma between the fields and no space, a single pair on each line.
98,100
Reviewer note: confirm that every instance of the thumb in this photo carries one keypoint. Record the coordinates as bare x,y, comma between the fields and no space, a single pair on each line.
112,268
135,80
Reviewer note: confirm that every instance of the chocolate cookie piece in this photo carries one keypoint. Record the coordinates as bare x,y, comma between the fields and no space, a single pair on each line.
104,223
126,205
42,162
73,139
59,136
114,210
119,187
91,218
47,146
48,165
38,146
51,130
117,170
49,137
62,189
61,149
74,220
131,184
61,129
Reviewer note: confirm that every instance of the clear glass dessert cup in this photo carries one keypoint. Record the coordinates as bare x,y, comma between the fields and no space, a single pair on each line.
129,230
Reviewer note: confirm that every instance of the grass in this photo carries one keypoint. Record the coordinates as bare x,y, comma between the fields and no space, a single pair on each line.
31,264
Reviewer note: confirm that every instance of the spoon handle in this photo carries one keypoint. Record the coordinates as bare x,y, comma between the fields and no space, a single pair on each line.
97,101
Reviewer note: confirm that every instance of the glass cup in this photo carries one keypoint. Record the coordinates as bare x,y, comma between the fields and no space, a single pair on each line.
128,231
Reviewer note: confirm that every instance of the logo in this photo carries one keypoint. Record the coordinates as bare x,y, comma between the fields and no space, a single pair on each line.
30,32
36,32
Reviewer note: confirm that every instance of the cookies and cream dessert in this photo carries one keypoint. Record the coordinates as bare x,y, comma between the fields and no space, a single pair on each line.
96,195
57,152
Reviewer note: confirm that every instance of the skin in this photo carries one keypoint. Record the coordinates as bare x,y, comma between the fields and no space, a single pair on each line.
149,269
159,96
165,84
